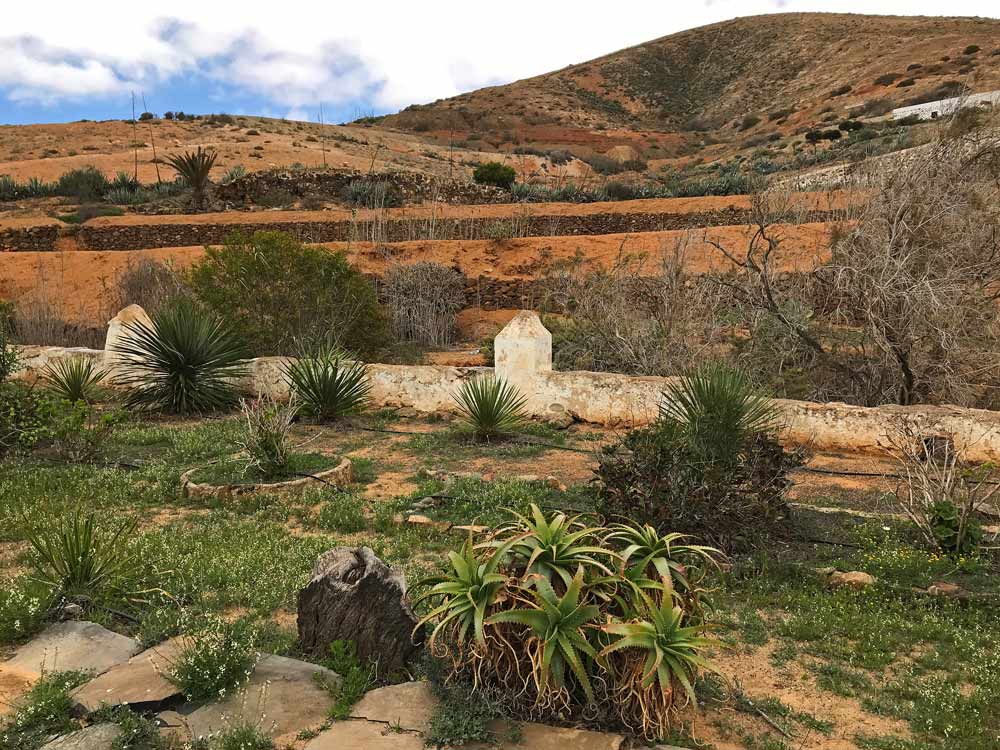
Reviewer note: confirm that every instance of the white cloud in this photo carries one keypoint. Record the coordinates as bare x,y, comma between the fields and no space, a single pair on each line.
389,53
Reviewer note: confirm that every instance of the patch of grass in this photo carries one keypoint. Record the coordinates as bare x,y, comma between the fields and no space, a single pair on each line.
355,679
218,657
44,711
24,603
137,731
343,512
242,737
233,470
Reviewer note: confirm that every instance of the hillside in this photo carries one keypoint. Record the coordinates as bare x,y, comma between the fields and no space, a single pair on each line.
718,89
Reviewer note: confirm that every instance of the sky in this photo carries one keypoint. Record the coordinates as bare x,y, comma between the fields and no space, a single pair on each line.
64,60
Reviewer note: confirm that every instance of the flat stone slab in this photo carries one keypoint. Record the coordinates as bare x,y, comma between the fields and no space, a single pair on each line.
141,681
365,735
281,697
83,646
96,737
409,705
543,737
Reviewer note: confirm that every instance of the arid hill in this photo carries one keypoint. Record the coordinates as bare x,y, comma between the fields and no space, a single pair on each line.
728,83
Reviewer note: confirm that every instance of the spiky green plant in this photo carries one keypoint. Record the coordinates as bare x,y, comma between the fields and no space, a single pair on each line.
656,652
327,385
557,624
718,411
491,406
184,362
235,172
264,437
78,558
466,593
556,546
194,167
74,379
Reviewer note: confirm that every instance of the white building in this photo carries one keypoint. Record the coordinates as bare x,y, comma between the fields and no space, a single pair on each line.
946,107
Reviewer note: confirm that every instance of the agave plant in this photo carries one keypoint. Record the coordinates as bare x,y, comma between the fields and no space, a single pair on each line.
657,651
466,593
185,361
80,559
491,406
718,411
74,379
194,167
555,546
327,385
557,624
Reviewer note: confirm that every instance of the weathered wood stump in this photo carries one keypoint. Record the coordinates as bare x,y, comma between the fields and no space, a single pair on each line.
354,596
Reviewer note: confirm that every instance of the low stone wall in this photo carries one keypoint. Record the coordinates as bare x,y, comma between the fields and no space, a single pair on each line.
131,236
37,239
523,355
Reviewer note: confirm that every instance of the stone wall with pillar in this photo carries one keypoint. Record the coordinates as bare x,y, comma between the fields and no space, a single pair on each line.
524,358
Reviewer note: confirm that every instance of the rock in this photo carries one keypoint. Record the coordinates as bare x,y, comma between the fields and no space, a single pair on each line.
364,735
119,326
96,737
409,706
354,596
173,727
84,646
555,484
281,697
944,588
140,682
855,579
71,611
543,737
557,416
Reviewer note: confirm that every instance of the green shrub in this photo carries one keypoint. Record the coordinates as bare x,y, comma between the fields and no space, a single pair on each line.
86,185
79,432
10,355
219,656
490,406
355,678
555,618
326,385
25,416
278,294
184,362
494,173
24,605
748,122
74,379
709,466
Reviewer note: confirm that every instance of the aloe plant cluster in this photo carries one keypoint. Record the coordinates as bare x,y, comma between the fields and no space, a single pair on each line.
556,618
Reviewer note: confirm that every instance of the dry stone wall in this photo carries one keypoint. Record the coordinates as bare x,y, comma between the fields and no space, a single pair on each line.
35,239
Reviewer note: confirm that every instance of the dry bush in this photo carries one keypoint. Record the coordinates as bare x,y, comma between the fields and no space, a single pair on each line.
41,317
149,284
636,317
423,300
942,494
905,311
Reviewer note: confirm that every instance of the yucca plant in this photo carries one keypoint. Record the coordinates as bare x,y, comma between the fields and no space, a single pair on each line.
264,437
656,651
718,411
327,385
79,559
74,379
491,406
185,362
557,625
194,167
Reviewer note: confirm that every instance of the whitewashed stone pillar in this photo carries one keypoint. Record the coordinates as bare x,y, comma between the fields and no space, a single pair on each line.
117,332
522,355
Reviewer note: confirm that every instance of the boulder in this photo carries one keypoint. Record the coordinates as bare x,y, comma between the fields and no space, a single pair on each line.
83,646
854,579
354,596
286,692
96,737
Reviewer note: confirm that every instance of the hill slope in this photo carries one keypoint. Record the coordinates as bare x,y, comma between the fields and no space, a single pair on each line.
730,80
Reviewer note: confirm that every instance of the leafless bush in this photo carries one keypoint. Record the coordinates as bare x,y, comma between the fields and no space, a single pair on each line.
636,317
149,284
42,317
423,300
942,494
906,307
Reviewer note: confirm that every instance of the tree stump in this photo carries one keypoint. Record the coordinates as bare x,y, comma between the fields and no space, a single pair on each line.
354,596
